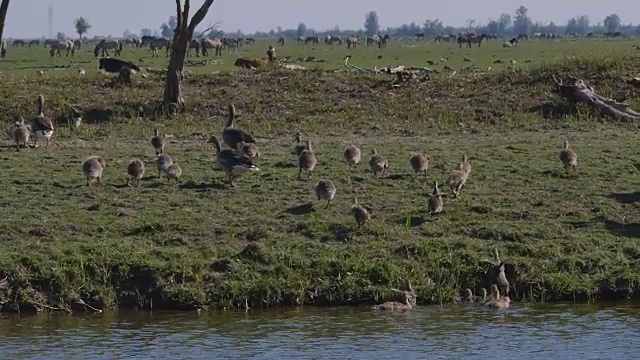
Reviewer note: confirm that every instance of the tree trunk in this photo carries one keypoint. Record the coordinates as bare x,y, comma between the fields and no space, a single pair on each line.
173,98
577,91
3,15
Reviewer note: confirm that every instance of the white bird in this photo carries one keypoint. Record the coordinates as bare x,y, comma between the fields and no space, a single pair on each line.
81,72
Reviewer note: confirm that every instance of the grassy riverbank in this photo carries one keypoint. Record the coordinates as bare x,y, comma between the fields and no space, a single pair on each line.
268,242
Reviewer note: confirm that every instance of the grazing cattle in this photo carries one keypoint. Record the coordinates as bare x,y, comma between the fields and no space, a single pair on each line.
113,65
352,42
420,36
300,39
34,42
77,44
281,40
612,34
156,43
206,44
250,63
19,42
193,44
335,40
3,49
249,40
523,37
57,47
105,46
271,53
312,39
135,42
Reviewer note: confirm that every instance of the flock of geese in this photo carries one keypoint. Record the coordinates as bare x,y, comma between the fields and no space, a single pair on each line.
240,157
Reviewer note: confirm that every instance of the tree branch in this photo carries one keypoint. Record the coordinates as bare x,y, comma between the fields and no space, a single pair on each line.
198,16
211,27
185,15
176,31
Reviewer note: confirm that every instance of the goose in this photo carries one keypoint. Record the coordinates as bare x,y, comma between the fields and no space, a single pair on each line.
568,157
378,163
135,171
419,163
435,204
232,136
157,142
502,279
325,190
299,147
41,124
467,298
307,160
232,162
353,155
498,302
93,168
163,162
465,166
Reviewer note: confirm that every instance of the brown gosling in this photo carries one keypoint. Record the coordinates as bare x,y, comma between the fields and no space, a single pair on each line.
157,142
568,157
456,180
467,298
163,162
173,171
498,302
299,147
20,133
41,124
483,297
360,214
436,203
378,163
135,171
410,299
353,155
325,190
93,168
307,160
232,136
419,163
249,149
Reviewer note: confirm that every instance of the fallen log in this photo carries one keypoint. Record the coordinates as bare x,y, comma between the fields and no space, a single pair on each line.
575,90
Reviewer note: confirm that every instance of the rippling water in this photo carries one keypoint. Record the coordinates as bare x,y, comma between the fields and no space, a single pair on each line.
549,332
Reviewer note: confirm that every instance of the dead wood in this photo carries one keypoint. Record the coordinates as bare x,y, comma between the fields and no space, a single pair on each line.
575,90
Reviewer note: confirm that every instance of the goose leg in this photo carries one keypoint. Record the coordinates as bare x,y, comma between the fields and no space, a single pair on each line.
47,143
328,203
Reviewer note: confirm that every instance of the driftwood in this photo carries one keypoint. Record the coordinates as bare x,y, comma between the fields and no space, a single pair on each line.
575,90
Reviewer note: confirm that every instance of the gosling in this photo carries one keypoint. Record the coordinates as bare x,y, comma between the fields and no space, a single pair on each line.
157,142
456,180
360,214
568,157
135,171
249,149
173,171
299,147
378,163
325,190
162,163
93,168
498,302
419,163
466,167
353,155
20,133
435,204
307,160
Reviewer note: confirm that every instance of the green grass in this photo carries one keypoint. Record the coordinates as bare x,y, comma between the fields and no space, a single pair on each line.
268,242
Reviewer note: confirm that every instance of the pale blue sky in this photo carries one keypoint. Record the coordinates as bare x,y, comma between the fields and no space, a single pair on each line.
29,18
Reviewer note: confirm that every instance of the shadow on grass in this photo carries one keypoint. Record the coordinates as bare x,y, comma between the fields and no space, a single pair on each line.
202,186
412,220
631,231
625,198
300,209
550,110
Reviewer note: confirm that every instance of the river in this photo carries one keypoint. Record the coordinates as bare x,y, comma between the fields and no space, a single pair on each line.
559,331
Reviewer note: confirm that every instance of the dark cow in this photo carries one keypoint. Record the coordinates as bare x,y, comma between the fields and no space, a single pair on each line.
115,65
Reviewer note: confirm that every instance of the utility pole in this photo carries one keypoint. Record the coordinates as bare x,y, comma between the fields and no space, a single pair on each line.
50,21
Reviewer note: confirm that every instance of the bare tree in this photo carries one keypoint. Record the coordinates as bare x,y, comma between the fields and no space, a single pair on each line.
182,36
3,15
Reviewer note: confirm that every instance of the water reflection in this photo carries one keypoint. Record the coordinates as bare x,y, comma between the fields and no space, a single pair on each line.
557,331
